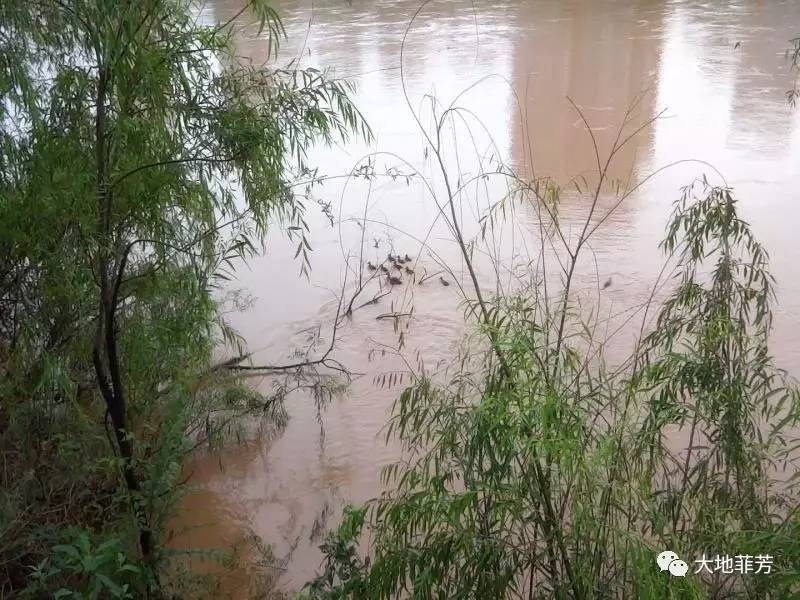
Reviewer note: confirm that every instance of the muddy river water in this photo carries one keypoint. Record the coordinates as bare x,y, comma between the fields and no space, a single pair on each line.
714,74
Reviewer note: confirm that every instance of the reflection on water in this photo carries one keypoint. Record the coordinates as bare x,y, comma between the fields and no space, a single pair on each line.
716,70
600,55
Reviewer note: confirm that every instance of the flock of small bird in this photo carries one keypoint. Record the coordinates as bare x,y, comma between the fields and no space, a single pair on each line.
396,262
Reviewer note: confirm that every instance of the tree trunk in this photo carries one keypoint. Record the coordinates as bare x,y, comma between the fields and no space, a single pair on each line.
104,352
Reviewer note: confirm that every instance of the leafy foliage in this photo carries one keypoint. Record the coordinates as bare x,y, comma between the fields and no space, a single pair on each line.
140,159
101,571
547,474
793,55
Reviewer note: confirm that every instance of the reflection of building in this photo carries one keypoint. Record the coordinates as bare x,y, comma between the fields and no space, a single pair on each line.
600,54
758,104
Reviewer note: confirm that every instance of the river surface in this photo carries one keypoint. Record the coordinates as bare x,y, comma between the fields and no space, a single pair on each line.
712,74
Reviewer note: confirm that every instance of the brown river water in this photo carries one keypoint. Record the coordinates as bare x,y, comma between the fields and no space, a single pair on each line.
715,74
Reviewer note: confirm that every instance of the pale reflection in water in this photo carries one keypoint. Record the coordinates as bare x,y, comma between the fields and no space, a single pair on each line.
722,103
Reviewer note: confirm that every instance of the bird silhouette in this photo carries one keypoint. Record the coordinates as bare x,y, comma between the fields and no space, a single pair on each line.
384,269
370,266
607,284
394,280
444,281
409,270
408,258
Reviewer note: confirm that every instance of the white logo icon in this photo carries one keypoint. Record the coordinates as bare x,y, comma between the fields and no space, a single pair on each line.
665,558
678,568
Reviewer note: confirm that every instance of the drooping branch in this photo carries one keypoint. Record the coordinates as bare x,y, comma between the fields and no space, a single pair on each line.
171,162
325,360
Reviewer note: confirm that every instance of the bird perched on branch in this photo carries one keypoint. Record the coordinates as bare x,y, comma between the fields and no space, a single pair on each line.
370,266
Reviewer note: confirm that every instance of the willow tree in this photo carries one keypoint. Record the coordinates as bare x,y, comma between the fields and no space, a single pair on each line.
689,443
138,155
